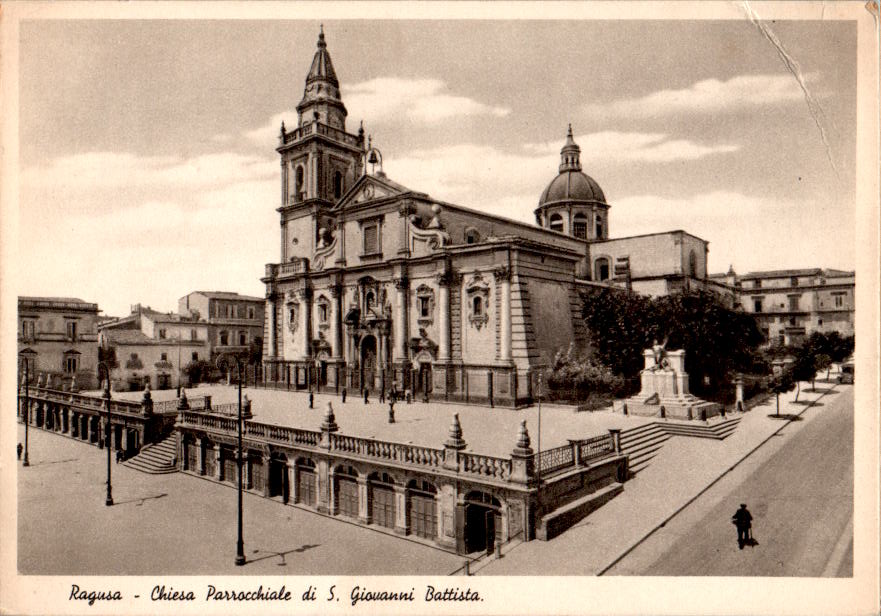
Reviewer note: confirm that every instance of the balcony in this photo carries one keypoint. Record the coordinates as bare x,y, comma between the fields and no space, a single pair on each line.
282,270
321,129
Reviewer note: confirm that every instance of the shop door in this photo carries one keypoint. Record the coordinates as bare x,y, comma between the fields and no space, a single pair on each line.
347,497
423,516
383,506
229,466
192,457
258,474
306,486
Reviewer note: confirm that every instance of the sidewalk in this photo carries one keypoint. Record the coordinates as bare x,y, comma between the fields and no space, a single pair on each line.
683,468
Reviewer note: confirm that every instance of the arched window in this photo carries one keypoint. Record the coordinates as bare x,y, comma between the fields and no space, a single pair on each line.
556,223
299,178
337,185
579,226
599,228
478,306
692,264
369,300
601,269
224,338
472,236
243,338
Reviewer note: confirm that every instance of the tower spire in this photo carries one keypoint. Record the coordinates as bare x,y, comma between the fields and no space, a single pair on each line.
321,94
570,154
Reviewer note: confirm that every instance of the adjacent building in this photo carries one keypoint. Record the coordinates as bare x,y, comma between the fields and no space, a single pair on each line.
792,304
379,285
57,337
235,322
155,347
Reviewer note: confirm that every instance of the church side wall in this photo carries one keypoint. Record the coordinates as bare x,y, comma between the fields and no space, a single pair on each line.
650,255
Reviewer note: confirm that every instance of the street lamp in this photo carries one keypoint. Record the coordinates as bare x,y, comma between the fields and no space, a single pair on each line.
240,543
109,500
26,355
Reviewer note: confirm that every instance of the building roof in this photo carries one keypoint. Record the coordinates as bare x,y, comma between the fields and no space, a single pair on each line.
72,300
814,271
127,336
57,303
229,295
131,337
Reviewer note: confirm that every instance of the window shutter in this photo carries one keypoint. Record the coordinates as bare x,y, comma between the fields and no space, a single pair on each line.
370,239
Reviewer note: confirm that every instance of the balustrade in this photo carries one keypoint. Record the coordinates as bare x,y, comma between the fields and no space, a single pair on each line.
552,460
486,466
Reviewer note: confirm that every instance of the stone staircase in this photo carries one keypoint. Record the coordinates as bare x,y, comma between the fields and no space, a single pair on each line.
157,458
642,443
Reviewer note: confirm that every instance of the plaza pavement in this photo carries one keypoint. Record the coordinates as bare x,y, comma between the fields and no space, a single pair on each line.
488,431
684,468
179,524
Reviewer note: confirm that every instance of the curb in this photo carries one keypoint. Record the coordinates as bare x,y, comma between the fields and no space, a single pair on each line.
710,485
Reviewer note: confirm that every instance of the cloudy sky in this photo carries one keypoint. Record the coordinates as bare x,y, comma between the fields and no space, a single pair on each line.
148,169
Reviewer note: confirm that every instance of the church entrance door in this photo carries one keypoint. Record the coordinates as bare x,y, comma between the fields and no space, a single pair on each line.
368,361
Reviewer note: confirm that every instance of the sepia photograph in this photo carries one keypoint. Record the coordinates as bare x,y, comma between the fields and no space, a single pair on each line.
420,308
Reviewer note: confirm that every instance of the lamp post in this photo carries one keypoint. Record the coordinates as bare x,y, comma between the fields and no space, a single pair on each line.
26,355
240,543
109,500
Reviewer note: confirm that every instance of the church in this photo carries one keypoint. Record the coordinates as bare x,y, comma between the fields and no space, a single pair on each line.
380,286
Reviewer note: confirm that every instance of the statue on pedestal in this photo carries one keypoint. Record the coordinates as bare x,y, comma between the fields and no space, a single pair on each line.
660,354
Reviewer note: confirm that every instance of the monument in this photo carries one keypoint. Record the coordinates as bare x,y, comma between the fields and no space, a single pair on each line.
664,389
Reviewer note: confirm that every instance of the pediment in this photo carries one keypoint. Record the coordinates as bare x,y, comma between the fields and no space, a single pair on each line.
371,188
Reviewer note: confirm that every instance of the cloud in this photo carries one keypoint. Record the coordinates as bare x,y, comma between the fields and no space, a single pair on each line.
743,230
708,96
632,146
390,99
419,100
509,182
147,229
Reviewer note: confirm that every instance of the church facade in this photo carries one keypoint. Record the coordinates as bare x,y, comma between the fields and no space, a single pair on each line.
382,286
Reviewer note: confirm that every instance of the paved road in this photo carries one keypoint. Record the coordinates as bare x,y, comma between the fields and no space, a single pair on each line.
800,494
182,525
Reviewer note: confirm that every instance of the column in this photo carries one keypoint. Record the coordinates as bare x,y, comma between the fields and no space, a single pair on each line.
335,330
270,340
341,243
267,462
200,462
293,484
218,461
503,276
305,295
443,317
324,498
363,509
401,526
402,286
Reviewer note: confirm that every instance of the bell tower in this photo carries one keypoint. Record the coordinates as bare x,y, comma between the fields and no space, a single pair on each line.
320,160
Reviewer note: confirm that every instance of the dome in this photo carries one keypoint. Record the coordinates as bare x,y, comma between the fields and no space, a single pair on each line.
572,185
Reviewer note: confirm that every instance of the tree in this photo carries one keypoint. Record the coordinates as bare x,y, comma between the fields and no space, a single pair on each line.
821,362
581,374
781,384
802,368
197,371
717,340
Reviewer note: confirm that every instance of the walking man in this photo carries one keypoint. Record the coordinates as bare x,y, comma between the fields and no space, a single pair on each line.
18,450
743,520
